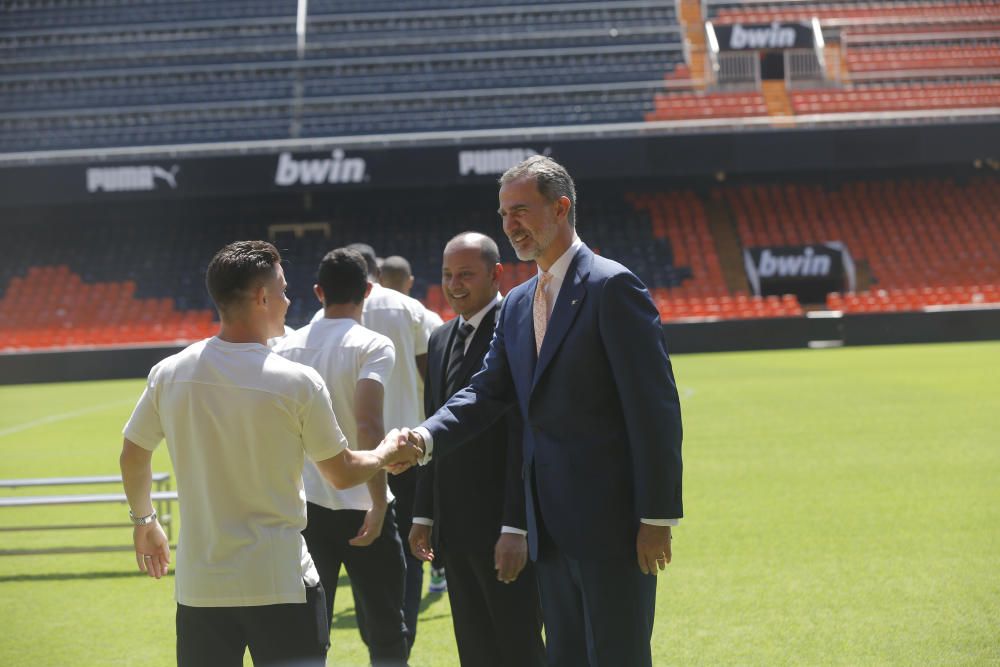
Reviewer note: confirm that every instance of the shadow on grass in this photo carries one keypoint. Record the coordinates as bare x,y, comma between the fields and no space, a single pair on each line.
71,576
346,618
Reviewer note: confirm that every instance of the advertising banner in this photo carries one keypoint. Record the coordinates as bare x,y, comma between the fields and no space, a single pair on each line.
808,271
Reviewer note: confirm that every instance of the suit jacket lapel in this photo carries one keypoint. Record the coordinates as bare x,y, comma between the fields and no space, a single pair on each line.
521,327
473,359
442,396
568,303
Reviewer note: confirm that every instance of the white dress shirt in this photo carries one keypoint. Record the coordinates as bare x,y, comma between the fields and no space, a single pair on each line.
342,352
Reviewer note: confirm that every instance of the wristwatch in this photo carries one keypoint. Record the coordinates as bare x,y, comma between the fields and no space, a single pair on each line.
142,520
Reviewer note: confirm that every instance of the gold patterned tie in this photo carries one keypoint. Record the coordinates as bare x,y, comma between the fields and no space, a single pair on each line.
540,309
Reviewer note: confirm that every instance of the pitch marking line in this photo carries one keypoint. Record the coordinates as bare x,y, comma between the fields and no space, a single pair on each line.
50,419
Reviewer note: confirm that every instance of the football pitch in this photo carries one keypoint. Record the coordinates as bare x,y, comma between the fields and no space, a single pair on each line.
843,508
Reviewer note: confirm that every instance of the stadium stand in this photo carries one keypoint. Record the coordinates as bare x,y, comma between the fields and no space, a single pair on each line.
925,242
761,12
106,73
882,97
918,242
94,74
923,56
112,74
680,106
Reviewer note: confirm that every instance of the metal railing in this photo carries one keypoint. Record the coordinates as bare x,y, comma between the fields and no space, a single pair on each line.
803,67
738,68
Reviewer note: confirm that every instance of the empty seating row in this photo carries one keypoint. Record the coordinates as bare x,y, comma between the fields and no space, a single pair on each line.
740,306
355,6
331,117
898,97
679,218
923,57
678,106
52,307
906,27
851,10
52,14
279,32
913,299
328,78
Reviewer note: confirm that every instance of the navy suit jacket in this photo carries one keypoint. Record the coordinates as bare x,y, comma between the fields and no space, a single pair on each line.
602,423
471,494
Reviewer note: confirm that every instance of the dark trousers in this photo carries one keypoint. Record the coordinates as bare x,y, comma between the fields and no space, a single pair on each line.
496,624
404,488
376,573
597,612
289,635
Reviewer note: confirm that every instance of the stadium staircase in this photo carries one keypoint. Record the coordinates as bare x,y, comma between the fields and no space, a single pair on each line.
694,33
776,99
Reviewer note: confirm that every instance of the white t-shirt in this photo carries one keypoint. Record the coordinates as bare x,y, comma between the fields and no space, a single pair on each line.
271,342
239,422
431,322
401,319
342,352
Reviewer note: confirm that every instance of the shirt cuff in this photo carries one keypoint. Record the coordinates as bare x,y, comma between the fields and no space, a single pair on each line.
423,521
428,445
511,530
661,522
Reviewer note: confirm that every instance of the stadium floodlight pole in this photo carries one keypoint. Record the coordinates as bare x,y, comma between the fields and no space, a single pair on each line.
819,44
300,27
298,86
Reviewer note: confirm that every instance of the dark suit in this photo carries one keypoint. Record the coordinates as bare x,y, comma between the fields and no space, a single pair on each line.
602,449
470,495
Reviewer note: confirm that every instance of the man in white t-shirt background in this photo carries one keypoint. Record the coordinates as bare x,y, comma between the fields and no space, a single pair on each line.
239,422
401,319
355,527
395,273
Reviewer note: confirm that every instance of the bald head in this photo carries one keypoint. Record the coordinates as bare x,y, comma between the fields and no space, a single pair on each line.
486,246
396,274
470,273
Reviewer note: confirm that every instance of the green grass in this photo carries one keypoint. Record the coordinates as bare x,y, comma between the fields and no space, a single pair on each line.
842,509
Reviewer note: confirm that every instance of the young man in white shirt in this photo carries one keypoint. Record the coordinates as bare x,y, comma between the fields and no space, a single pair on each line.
239,422
401,320
355,527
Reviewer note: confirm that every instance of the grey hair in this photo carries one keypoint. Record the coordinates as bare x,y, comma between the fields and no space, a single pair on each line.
552,179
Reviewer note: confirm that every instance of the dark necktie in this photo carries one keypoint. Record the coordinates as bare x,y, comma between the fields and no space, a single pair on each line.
456,357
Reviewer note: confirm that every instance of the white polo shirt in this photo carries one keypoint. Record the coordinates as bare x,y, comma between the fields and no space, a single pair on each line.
342,352
238,421
401,319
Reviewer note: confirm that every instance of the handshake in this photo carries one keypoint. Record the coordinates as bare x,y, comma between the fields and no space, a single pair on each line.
400,450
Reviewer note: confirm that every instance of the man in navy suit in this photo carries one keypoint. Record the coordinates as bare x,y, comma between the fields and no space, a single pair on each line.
580,350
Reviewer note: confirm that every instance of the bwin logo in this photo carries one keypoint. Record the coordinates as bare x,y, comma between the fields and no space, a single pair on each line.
773,37
494,161
335,169
130,179
806,264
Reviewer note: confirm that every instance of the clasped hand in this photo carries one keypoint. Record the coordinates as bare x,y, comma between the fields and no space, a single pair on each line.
400,450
